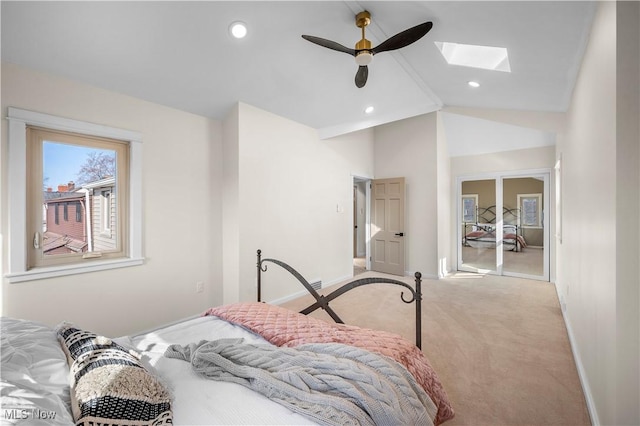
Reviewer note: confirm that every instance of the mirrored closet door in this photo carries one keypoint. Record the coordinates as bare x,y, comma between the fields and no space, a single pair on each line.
504,224
477,226
523,225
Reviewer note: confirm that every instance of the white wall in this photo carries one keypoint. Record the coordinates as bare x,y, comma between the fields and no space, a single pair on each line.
230,206
181,218
409,148
291,185
598,269
445,212
507,161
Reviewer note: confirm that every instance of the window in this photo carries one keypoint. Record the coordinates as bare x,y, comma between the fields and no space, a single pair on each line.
105,222
469,208
530,206
78,207
76,163
47,174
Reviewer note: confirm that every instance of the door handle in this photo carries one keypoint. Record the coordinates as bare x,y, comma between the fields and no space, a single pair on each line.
400,234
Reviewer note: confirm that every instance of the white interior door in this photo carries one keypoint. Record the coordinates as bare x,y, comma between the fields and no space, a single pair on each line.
387,225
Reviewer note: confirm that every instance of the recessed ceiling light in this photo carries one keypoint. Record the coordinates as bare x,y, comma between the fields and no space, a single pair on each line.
469,55
368,110
238,29
473,83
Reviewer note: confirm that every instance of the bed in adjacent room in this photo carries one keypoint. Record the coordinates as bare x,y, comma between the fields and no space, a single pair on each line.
482,232
244,363
484,236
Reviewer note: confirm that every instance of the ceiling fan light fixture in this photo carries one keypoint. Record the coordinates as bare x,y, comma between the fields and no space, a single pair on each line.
364,58
238,29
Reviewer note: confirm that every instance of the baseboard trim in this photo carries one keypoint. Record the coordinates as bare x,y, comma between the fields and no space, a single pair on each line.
301,293
584,381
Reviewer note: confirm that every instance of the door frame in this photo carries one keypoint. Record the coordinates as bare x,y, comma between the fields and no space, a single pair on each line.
367,216
499,177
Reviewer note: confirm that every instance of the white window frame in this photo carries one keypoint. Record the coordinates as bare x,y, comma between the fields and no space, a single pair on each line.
538,198
558,175
19,119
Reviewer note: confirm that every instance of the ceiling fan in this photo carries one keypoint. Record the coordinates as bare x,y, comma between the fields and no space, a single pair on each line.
363,51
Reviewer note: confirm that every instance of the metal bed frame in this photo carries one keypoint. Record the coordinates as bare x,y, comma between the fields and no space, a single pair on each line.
487,215
323,301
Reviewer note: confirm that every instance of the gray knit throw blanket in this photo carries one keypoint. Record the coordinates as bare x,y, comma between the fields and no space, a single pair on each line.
330,383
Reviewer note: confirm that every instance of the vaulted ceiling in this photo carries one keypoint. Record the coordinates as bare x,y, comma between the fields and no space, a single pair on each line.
181,54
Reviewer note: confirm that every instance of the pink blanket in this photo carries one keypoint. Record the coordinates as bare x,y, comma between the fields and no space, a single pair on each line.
283,327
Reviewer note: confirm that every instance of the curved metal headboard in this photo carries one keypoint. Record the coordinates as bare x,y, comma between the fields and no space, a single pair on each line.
323,301
488,214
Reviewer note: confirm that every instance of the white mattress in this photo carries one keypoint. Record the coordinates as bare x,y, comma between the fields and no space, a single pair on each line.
199,401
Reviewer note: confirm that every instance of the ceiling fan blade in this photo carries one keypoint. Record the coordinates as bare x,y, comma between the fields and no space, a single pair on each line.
403,38
361,76
329,44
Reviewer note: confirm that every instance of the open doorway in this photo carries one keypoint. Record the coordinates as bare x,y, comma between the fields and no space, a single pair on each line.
360,225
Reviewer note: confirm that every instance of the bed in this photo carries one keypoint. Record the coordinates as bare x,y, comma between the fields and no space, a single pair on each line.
243,363
482,233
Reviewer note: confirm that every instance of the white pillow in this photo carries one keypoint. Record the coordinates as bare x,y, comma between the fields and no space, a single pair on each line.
34,375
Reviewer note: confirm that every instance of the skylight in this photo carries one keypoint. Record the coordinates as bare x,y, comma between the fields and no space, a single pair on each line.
469,55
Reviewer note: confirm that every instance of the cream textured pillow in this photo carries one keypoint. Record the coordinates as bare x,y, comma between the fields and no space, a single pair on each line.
109,384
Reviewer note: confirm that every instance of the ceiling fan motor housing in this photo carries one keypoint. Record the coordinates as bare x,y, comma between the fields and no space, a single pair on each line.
363,19
363,47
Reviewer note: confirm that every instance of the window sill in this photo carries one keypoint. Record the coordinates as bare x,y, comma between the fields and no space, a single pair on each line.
60,271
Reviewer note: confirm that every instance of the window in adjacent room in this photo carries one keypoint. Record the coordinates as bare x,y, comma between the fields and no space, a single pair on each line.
75,196
530,206
469,208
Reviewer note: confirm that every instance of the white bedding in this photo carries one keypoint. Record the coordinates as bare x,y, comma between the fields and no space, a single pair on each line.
483,236
36,378
207,402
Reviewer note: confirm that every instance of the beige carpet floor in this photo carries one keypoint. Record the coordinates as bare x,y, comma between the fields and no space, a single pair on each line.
527,261
498,344
359,266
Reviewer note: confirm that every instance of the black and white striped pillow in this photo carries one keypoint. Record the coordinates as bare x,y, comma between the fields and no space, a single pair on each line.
109,383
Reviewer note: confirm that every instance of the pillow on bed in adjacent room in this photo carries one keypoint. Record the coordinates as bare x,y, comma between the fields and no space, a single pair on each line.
109,383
